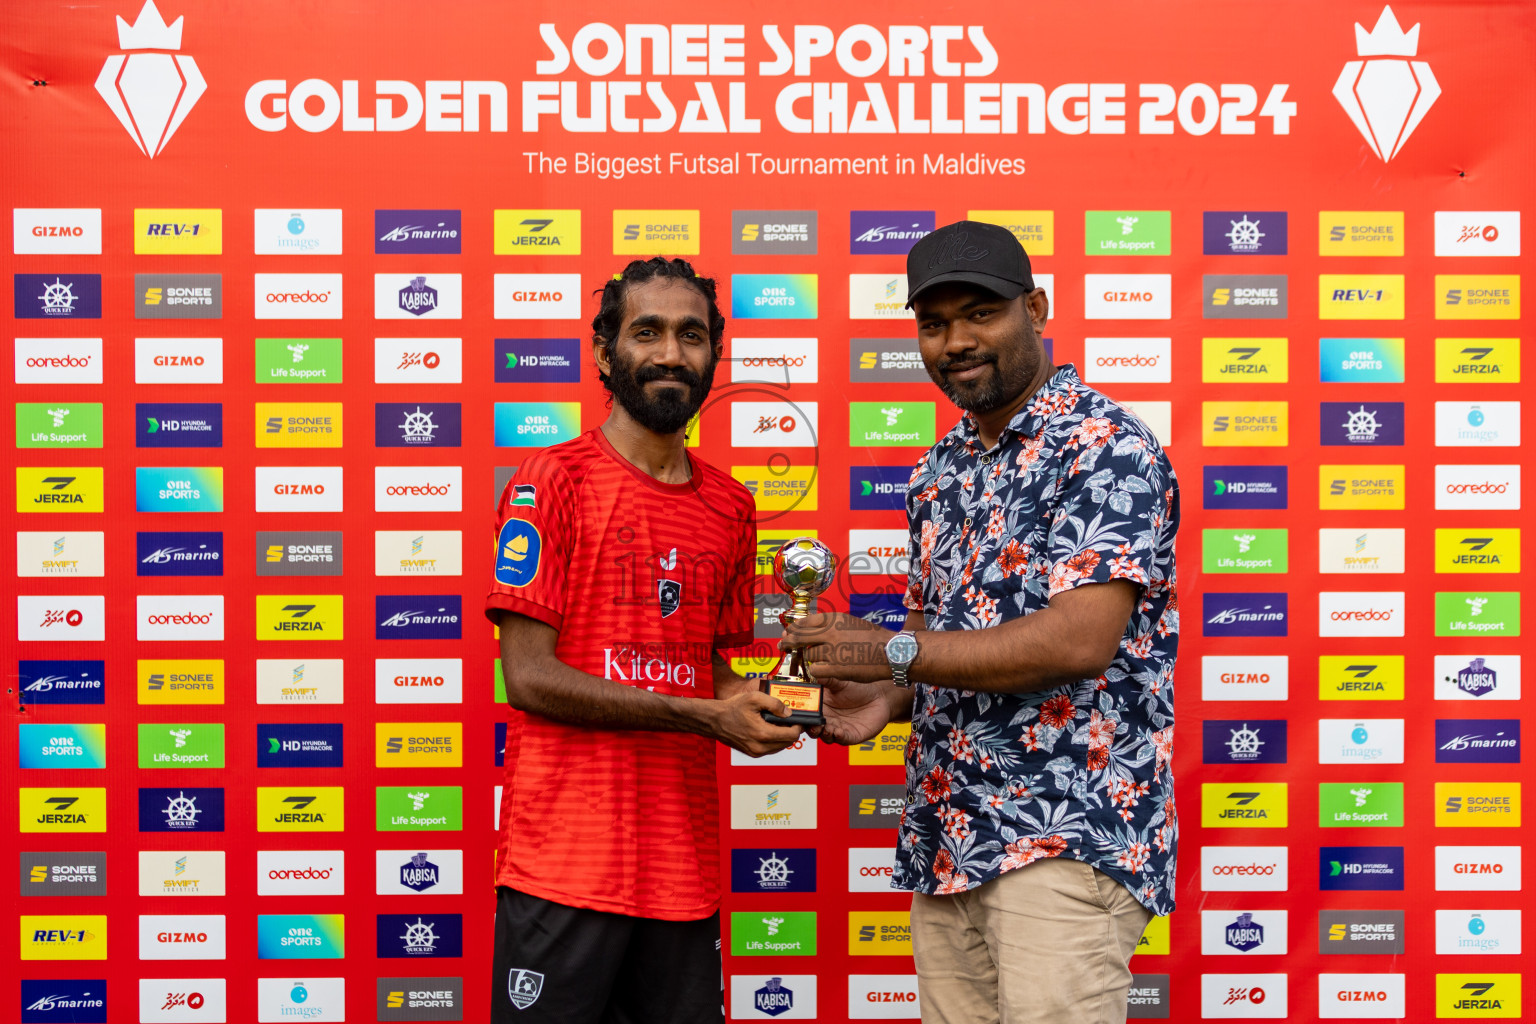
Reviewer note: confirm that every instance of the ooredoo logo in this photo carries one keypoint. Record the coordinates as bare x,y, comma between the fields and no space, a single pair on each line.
1495,488
180,617
58,361
1361,614
299,873
418,488
1244,868
297,297
1128,360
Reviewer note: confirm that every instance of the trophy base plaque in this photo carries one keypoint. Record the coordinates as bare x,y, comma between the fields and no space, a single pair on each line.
801,697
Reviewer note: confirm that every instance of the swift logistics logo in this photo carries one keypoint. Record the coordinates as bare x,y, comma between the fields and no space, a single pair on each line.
1245,233
1356,551
535,232
55,553
182,873
418,553
298,681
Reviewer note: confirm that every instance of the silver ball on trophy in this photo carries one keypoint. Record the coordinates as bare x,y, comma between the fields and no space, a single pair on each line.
804,567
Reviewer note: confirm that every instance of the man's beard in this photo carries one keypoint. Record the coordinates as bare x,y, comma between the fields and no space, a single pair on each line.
992,391
665,411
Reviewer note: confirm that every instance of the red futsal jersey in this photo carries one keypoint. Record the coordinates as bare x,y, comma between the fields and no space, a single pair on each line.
643,580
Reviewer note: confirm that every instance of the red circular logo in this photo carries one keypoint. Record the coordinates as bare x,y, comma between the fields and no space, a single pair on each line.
195,1000
1256,996
431,360
74,618
1490,233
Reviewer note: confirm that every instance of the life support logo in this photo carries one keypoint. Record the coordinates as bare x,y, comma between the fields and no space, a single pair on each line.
517,553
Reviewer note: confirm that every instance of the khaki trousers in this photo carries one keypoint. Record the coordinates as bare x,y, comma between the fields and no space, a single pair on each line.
1050,942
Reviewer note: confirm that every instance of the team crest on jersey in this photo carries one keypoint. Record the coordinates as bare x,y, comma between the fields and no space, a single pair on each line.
523,987
669,593
517,553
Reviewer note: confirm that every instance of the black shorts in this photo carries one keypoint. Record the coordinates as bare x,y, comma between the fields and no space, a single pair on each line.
565,965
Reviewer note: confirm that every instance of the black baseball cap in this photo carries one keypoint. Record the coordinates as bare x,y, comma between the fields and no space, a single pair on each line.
986,255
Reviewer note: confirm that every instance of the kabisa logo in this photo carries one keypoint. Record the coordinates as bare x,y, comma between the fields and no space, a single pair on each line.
181,810
150,93
1384,95
64,297
419,874
417,297
773,998
417,617
1245,614
416,231
1490,677
61,682
51,1001
1244,934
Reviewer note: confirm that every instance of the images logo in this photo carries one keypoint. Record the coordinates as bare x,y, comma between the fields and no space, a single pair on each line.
1477,424
1262,233
1384,95
150,93
1244,614
1359,868
774,296
536,232
289,232
1245,297
1360,741
421,231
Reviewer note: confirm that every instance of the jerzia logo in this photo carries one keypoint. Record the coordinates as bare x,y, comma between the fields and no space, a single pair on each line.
1385,96
151,93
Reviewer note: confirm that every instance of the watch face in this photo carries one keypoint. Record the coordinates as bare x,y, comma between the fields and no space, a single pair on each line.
900,650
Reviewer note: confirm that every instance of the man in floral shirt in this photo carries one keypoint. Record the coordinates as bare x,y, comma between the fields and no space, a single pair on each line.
1039,831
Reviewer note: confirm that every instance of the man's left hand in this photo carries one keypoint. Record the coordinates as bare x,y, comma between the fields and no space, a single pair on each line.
840,645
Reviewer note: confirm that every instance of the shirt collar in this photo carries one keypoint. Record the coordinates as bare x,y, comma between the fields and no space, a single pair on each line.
1043,406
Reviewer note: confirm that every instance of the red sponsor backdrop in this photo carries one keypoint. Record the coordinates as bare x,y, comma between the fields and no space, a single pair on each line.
1147,141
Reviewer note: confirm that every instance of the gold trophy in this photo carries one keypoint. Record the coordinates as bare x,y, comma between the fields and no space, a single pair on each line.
804,567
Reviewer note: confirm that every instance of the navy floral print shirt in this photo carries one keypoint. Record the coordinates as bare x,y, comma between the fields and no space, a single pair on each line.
1076,490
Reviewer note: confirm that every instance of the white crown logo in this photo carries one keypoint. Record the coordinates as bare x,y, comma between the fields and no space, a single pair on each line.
151,93
1385,96
150,32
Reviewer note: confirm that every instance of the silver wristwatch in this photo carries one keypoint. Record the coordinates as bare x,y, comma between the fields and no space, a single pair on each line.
901,651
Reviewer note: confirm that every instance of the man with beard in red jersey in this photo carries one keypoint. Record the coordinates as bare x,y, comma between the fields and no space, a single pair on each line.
623,566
